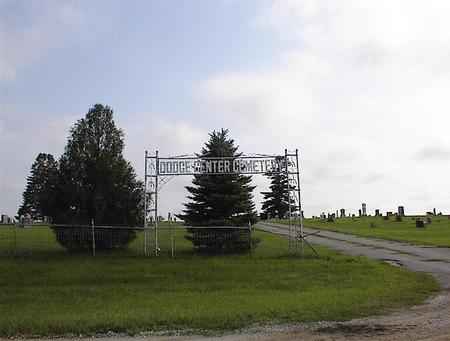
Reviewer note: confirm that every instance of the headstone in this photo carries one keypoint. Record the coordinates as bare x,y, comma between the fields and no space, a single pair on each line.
401,211
359,212
389,213
364,209
342,212
377,213
434,211
420,223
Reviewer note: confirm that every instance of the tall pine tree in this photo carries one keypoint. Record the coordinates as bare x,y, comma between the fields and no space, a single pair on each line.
39,195
276,201
219,200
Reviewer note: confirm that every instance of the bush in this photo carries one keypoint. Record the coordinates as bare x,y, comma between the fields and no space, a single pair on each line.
79,238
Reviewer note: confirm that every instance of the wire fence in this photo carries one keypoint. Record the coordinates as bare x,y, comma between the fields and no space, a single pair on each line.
53,240
170,239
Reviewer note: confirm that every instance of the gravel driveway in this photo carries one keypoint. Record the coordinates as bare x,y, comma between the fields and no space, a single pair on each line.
434,260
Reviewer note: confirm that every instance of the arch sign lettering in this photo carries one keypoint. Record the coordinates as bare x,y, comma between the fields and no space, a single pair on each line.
220,166
158,170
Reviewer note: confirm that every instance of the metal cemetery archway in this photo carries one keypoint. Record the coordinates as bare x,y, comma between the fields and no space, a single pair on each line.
159,170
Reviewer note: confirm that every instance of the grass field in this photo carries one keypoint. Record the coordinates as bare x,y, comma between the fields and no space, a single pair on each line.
51,292
437,233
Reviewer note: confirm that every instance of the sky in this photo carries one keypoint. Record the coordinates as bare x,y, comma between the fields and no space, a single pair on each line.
359,87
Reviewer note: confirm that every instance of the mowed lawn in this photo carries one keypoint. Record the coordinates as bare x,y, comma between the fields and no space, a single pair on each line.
51,292
437,233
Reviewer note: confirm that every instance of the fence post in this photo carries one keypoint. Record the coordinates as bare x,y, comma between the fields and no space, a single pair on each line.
15,240
250,237
93,237
171,237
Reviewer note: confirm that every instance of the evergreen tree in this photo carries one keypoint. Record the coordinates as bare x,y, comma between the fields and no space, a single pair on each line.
219,200
39,195
95,181
276,201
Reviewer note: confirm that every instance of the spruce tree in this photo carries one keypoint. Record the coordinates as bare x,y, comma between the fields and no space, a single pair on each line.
219,200
39,195
276,201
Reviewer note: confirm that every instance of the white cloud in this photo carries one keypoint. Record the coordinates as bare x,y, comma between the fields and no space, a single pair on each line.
360,89
433,153
365,79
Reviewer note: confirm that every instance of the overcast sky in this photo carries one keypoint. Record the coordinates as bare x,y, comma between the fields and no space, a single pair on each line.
361,88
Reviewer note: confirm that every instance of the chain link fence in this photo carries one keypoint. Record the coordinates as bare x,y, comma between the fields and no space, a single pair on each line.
53,240
170,240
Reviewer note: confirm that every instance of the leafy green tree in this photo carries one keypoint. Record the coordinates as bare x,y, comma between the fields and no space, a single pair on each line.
276,201
39,195
219,200
95,181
